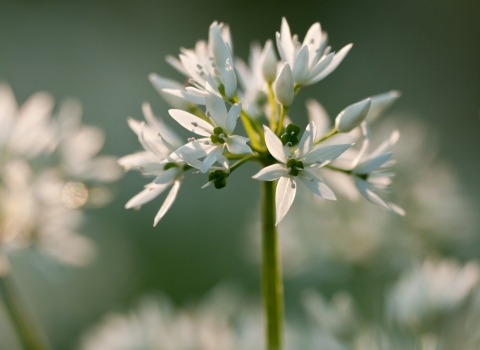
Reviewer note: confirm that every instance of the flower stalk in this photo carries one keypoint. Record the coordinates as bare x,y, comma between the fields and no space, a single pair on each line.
30,337
272,283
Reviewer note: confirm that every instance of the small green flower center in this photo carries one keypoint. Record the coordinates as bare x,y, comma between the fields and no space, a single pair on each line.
218,136
219,178
290,137
294,167
170,165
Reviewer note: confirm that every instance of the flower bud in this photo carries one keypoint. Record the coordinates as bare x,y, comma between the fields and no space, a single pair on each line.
284,89
268,61
352,116
219,178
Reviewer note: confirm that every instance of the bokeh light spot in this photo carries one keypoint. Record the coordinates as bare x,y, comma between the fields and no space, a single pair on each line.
74,194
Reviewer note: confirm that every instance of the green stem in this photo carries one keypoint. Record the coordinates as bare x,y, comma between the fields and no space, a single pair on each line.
273,107
283,112
272,284
30,337
329,134
243,160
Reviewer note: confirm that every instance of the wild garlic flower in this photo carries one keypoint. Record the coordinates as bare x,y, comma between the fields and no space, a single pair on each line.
296,167
49,168
219,129
311,60
210,61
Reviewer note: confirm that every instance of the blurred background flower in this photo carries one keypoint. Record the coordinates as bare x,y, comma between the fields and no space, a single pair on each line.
356,257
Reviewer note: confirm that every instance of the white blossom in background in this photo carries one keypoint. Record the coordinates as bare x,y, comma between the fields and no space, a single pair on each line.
49,169
435,289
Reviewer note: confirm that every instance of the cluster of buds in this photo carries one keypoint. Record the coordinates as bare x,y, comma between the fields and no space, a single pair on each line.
260,94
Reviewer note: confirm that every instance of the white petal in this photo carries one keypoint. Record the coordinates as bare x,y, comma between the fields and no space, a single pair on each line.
286,42
284,87
319,67
387,144
337,59
168,202
316,186
367,191
229,80
175,63
196,149
268,62
324,155
307,140
300,68
232,117
274,145
284,196
216,107
319,116
211,158
271,172
167,135
160,83
372,164
145,196
221,52
380,103
238,144
167,176
188,121
184,94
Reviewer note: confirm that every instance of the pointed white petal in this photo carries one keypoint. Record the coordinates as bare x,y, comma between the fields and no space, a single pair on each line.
372,164
325,155
271,172
146,196
366,142
380,103
300,68
184,94
176,64
216,107
274,145
238,144
318,115
319,67
169,137
337,59
229,80
286,42
160,83
167,176
307,140
232,117
196,149
368,192
211,158
268,62
191,122
284,196
316,186
387,144
168,202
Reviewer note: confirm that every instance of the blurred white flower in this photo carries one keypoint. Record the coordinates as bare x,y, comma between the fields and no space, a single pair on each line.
47,167
430,291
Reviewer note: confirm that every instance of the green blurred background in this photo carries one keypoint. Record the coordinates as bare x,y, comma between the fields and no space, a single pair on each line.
101,53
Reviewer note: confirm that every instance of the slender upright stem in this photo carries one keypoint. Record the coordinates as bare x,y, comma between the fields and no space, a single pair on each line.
28,335
272,275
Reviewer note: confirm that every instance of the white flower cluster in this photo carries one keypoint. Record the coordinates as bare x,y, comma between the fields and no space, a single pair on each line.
260,94
49,168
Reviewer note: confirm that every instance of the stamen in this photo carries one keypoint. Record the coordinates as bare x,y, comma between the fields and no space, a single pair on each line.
216,72
213,64
211,59
191,139
289,144
208,183
293,185
192,81
206,143
195,124
199,66
207,113
318,162
202,73
222,136
196,172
